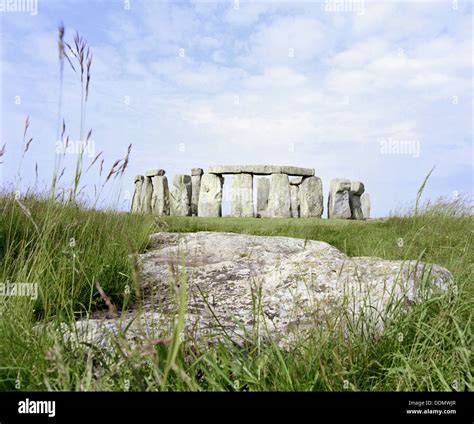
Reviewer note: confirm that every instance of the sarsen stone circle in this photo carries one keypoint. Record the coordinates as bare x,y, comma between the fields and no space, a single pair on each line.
278,196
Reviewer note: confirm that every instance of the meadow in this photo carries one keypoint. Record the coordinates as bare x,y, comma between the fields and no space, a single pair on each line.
67,249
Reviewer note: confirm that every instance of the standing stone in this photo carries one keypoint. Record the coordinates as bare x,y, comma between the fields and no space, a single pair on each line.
160,200
263,190
180,197
311,197
365,205
357,188
196,174
338,201
210,196
279,200
137,194
242,196
294,201
147,193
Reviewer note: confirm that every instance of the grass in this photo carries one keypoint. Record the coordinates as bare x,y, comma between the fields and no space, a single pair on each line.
429,349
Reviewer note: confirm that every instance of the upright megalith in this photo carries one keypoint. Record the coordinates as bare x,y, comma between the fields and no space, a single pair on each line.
196,175
160,200
180,197
311,197
210,196
242,196
263,190
294,201
279,199
147,193
357,189
137,194
365,205
338,201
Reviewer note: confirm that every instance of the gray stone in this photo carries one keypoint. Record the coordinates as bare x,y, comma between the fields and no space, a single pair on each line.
315,286
224,169
296,170
180,197
294,201
196,189
365,205
339,199
160,200
242,196
311,197
155,172
296,180
147,193
357,187
261,170
210,196
263,191
279,200
196,171
137,194
356,208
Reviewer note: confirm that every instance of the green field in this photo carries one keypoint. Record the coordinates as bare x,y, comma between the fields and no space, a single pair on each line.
66,249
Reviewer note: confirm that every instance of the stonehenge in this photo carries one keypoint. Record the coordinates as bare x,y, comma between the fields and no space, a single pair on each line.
281,192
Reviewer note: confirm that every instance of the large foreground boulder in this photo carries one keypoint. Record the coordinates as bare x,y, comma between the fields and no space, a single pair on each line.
276,287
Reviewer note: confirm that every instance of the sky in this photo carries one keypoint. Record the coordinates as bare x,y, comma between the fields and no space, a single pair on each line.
379,92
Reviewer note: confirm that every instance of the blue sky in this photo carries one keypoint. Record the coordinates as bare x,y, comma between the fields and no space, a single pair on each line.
198,83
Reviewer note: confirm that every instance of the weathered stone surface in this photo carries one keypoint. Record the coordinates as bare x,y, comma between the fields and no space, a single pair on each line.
297,285
155,172
338,201
210,196
147,193
365,205
279,200
242,196
196,175
160,201
261,170
294,201
180,197
357,187
311,197
356,209
296,170
263,191
296,180
196,171
137,194
224,169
